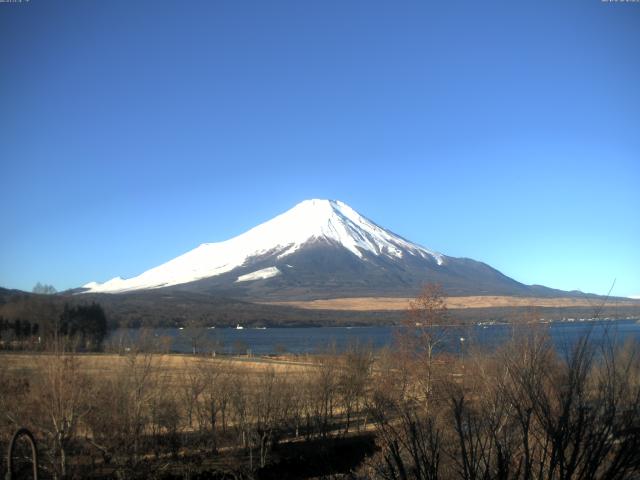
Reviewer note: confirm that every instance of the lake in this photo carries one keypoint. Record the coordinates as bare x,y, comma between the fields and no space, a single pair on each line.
316,339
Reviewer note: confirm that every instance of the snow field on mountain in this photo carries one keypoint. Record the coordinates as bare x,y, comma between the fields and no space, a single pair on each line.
307,222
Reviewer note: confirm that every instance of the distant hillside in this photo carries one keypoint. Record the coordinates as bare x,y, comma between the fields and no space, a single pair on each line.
159,308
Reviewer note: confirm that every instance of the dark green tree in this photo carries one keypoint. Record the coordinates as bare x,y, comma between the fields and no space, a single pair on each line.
87,323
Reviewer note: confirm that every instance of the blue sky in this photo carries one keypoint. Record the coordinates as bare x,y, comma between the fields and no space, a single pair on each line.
508,132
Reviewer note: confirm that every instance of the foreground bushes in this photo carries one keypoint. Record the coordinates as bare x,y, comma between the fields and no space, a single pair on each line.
523,412
145,411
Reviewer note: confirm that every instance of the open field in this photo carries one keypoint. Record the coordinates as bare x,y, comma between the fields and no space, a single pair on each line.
343,415
141,415
174,366
395,304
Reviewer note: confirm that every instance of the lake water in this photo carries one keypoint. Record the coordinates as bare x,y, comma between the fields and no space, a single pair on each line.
318,339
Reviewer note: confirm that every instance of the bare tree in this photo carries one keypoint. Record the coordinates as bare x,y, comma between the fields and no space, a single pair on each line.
191,390
194,332
322,394
353,379
410,442
546,417
268,410
63,397
44,289
239,402
215,396
423,332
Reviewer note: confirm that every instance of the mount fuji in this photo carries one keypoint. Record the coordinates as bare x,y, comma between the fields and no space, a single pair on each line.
318,249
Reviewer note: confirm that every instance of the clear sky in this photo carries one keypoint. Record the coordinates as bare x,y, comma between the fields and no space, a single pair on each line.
508,132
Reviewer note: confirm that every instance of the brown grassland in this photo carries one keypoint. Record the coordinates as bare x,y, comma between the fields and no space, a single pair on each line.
173,365
395,304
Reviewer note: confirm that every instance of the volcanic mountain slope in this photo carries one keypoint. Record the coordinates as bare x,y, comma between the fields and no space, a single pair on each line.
319,249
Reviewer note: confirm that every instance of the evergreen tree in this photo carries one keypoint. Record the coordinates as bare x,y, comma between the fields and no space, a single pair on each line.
86,322
17,328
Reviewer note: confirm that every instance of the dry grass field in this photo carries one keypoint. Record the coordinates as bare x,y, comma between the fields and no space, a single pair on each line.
169,416
397,304
175,368
138,414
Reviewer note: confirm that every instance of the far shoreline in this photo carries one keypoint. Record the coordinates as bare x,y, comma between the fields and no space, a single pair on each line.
363,304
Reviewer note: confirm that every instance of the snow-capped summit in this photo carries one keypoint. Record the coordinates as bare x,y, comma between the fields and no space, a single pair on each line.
334,221
317,249
311,222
